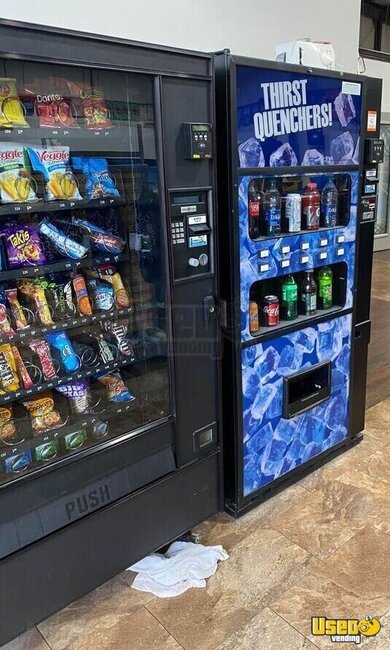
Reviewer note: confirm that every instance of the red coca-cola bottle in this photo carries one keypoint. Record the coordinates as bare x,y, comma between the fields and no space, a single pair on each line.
254,210
311,201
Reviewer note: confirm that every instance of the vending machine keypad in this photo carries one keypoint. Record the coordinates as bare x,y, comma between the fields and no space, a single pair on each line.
191,233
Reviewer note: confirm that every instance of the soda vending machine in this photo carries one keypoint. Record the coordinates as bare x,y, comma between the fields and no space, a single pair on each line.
109,351
297,180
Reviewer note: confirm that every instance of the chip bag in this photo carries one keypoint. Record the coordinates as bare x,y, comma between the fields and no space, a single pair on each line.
42,412
93,107
23,246
53,163
53,106
7,424
116,389
11,108
16,184
98,180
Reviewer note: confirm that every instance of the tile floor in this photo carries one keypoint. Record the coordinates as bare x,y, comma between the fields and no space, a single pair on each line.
320,547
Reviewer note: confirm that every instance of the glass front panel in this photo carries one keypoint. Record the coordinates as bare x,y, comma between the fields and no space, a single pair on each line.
83,323
382,216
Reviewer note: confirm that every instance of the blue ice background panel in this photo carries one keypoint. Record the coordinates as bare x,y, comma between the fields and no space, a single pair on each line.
250,251
290,119
273,445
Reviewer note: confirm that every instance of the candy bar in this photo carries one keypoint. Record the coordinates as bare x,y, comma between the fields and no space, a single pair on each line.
34,290
42,349
101,240
60,341
8,376
16,309
21,368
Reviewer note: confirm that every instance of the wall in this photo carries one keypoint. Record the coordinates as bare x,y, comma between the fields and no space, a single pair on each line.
248,27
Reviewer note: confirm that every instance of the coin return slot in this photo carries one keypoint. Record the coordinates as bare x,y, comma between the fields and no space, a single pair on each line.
302,391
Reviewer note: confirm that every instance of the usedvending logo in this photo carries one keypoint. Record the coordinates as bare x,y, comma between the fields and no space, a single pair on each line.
345,630
287,111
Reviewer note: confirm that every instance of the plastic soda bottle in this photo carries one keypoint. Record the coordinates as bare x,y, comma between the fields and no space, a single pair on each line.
308,294
272,209
311,207
289,306
325,286
329,199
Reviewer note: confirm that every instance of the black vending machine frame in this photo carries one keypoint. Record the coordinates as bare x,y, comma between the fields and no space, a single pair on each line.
226,63
172,472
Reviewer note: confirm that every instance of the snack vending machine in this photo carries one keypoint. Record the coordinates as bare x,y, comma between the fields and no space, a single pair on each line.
109,349
297,179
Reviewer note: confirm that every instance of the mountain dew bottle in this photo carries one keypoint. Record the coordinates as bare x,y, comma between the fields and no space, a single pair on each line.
289,306
325,285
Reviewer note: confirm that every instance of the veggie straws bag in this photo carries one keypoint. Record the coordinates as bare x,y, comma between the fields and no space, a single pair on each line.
53,163
16,184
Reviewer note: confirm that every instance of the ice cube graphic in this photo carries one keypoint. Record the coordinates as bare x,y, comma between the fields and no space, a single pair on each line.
251,475
312,157
336,412
338,434
311,429
248,356
263,399
276,407
285,430
345,109
341,148
251,153
267,364
355,157
284,156
310,450
260,439
290,359
306,339
343,359
295,450
249,424
272,458
250,383
329,345
328,160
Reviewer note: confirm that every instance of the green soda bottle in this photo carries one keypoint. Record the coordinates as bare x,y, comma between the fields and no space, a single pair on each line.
289,306
325,282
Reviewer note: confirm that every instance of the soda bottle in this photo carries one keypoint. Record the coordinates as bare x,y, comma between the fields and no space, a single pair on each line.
325,282
254,322
272,209
329,200
289,306
308,295
254,208
311,207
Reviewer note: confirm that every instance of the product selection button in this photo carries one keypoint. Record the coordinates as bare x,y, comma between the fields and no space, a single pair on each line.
285,263
285,250
340,239
305,246
323,242
304,259
323,256
340,251
264,268
264,253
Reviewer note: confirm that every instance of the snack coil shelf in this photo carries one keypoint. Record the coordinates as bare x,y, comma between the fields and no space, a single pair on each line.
64,265
68,323
84,421
11,209
58,381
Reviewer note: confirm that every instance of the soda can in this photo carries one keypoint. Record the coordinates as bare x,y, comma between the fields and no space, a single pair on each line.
254,324
271,311
18,462
293,212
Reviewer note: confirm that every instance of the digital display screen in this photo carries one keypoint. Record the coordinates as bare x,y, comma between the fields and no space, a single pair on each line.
177,199
200,127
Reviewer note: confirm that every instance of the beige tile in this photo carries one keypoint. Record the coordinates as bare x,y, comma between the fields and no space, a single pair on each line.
382,640
96,613
267,631
322,520
137,631
31,640
223,529
373,485
362,568
377,465
383,522
377,424
347,460
317,595
259,567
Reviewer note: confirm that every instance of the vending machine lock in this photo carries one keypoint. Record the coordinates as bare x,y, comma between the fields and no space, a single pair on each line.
196,141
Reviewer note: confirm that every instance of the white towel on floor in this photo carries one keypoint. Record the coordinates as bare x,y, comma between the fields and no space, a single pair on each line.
183,566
